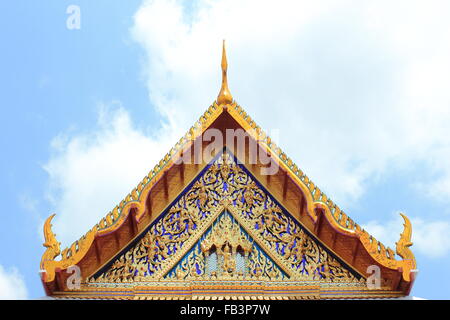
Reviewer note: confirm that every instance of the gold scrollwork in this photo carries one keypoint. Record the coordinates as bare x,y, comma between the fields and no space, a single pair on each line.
224,184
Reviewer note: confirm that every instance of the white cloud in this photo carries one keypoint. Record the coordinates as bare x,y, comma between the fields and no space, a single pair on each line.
430,238
92,172
362,86
12,285
354,88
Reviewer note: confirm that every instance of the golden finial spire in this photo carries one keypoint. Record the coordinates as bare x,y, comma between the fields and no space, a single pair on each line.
224,96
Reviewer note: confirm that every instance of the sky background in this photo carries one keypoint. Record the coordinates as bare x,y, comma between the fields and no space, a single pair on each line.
357,90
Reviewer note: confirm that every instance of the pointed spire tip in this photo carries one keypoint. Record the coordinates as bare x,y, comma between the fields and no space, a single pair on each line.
224,96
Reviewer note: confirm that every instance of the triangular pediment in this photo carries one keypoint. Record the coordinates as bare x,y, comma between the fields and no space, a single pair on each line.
225,225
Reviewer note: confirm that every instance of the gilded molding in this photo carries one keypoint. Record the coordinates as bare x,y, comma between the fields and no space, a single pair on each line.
226,290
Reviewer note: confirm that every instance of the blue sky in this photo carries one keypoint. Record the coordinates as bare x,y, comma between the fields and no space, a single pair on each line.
357,92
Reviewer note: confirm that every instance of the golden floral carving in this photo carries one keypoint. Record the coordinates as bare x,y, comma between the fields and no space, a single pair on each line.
226,186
